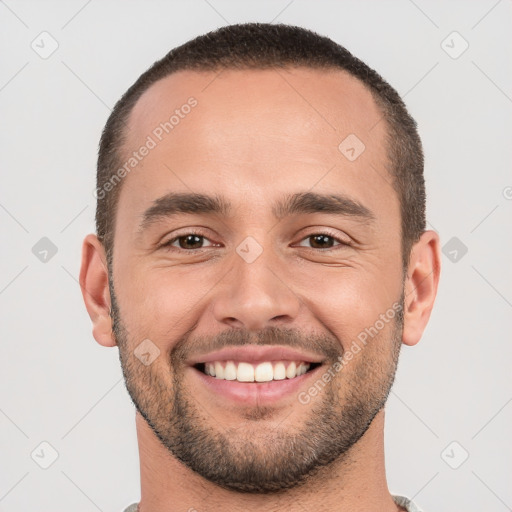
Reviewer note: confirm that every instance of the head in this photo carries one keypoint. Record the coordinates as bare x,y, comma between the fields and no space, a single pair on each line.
272,197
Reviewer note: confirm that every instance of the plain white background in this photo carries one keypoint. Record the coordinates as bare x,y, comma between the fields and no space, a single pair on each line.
60,387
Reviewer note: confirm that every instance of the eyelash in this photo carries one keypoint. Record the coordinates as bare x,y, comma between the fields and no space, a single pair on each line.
341,243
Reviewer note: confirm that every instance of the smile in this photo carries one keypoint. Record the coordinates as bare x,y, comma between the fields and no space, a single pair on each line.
265,371
253,375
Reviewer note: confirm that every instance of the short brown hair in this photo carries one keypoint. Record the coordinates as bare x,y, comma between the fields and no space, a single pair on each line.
264,46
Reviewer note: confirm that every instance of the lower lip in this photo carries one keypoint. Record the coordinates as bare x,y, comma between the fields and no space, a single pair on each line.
255,393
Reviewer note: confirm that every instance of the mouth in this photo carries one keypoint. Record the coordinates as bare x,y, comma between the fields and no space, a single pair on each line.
254,375
266,371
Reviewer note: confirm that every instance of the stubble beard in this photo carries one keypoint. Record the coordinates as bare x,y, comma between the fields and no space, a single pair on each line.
253,457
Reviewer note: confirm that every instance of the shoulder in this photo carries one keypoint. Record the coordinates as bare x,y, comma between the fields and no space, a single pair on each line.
408,504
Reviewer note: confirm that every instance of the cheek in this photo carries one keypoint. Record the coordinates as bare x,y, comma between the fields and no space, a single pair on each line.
162,303
349,301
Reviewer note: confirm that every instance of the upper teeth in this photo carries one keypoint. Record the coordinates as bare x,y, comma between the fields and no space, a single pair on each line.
262,372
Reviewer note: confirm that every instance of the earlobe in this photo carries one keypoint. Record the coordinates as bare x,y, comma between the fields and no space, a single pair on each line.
421,286
95,290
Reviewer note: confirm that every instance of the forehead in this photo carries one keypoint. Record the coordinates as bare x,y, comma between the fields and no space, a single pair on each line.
310,100
257,132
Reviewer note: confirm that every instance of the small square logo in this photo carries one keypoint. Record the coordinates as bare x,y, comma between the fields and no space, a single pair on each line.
454,45
455,455
44,455
146,352
454,249
351,147
44,45
249,249
44,250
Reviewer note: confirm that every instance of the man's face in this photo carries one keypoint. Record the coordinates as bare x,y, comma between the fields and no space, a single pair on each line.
256,139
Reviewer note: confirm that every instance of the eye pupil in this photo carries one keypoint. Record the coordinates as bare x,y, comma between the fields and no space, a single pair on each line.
194,240
321,240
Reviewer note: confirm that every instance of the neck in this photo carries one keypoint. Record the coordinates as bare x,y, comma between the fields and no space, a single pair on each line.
356,484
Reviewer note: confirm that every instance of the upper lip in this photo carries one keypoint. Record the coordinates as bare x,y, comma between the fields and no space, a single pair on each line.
256,354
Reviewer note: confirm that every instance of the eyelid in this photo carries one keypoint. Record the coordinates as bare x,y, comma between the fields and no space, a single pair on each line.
327,232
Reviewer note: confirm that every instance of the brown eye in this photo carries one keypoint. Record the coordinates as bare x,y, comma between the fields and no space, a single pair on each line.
187,242
190,241
323,241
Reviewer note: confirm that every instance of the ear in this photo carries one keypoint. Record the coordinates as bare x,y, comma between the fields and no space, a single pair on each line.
95,290
421,285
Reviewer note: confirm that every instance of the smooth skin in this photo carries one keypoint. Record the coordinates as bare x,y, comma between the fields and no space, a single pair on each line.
255,136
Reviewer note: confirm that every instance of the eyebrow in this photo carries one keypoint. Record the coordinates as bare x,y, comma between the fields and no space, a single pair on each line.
175,203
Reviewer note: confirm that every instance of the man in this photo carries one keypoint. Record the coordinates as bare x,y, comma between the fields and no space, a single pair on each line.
260,257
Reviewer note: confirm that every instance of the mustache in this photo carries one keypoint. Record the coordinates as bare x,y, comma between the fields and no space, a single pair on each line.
326,345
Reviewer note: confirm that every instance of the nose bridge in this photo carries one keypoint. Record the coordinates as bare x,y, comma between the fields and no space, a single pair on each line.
255,294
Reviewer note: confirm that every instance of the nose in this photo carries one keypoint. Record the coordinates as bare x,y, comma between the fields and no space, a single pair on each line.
256,294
